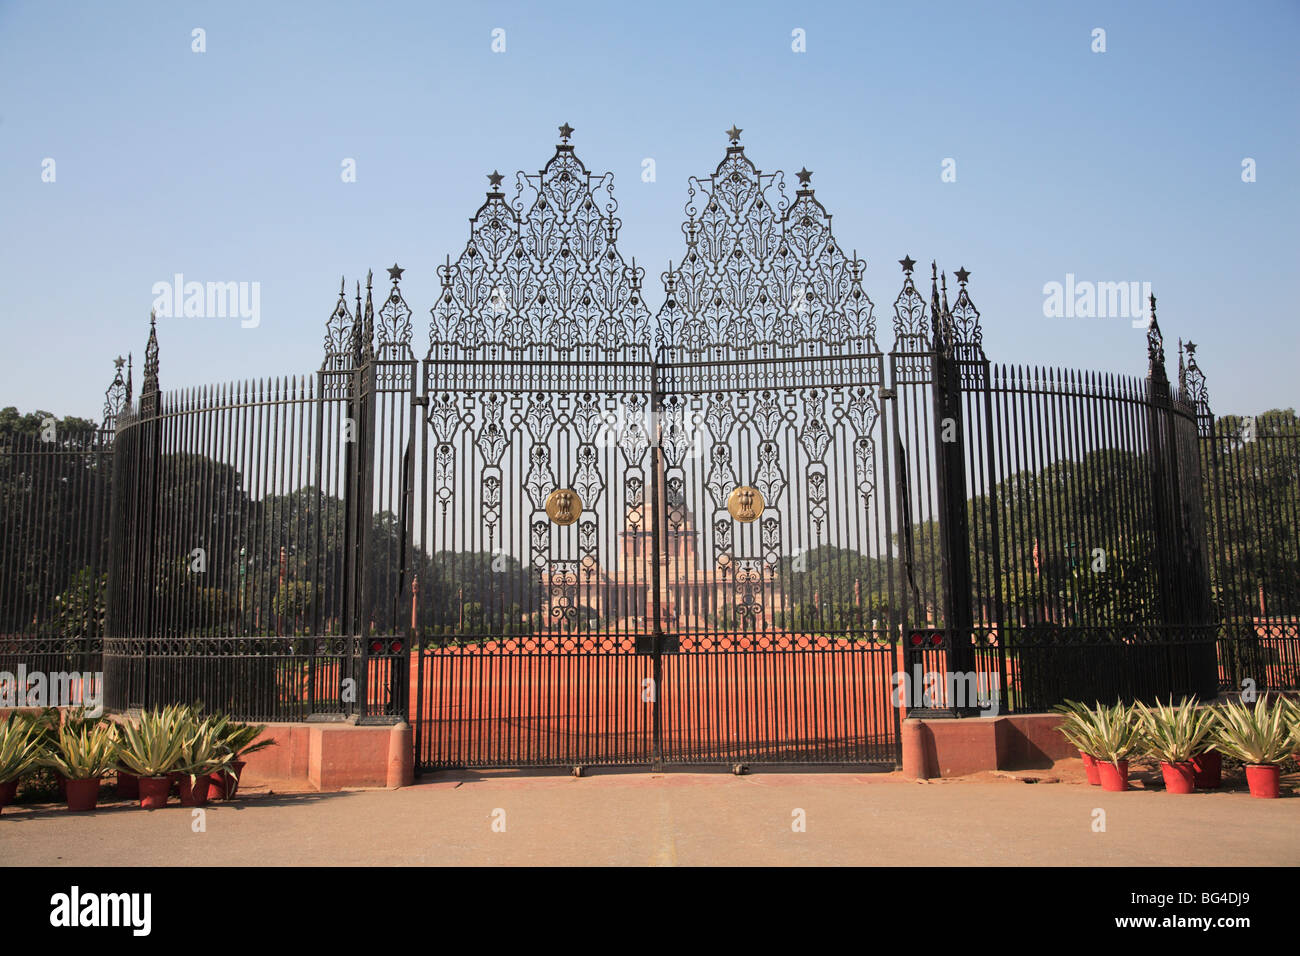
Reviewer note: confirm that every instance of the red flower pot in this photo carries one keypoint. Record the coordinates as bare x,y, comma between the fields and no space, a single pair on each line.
128,785
154,792
1113,778
83,795
1208,770
1179,777
226,782
1262,778
1090,768
194,790
8,790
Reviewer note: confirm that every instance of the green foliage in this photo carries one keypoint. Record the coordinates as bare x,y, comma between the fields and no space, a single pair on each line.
84,751
152,745
1109,734
21,746
1175,733
1261,734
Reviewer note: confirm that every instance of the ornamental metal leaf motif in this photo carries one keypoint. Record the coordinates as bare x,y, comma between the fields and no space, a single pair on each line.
393,332
338,334
815,436
720,417
769,480
492,437
674,439
633,439
911,327
767,415
761,275
722,478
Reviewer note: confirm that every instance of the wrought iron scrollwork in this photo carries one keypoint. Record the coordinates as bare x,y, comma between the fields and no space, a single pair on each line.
762,276
542,273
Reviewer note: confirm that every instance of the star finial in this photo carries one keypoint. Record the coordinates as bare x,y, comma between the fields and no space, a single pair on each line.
908,263
395,272
1191,348
804,176
566,131
495,178
962,275
119,362
734,133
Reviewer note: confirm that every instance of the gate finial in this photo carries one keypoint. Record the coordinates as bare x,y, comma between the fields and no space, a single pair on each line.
734,134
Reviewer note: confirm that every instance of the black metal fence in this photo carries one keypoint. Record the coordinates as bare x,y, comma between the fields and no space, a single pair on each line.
381,539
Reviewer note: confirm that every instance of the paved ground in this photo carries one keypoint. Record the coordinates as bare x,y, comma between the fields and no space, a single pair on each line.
680,818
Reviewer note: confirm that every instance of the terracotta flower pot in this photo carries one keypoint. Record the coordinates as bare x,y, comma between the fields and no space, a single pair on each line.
1208,770
8,790
1179,777
1090,768
154,792
83,795
230,779
1263,778
1113,778
194,790
128,785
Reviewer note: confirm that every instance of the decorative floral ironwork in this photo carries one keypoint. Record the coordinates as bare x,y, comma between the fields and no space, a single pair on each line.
542,272
761,276
393,334
116,397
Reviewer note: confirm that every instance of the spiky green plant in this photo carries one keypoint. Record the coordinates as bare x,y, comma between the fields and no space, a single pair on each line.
1113,731
1076,725
21,747
152,744
1254,735
1174,734
84,751
203,751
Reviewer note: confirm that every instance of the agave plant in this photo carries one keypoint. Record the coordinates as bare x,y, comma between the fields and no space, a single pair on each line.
1076,726
1258,735
1115,733
203,750
21,747
84,751
1174,734
151,746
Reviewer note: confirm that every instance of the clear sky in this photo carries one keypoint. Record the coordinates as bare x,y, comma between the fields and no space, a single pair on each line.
226,165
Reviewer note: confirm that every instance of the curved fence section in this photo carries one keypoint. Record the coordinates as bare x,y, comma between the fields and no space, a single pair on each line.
238,557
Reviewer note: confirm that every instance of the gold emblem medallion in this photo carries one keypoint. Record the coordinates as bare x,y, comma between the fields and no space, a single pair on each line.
563,506
745,504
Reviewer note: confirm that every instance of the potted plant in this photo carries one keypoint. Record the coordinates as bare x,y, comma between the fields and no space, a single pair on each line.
151,749
1076,727
202,755
21,748
1115,735
1258,736
239,741
84,753
1173,735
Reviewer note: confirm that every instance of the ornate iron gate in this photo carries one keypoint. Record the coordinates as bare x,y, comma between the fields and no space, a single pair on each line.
654,549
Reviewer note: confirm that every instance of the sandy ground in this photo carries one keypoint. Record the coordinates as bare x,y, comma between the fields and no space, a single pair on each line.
682,818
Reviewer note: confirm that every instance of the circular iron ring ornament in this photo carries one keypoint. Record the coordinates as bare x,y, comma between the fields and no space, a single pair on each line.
563,506
745,504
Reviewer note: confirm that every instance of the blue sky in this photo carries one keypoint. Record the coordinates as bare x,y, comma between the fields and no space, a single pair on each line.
225,165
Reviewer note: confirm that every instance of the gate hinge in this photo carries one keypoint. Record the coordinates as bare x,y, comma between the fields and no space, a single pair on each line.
886,392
